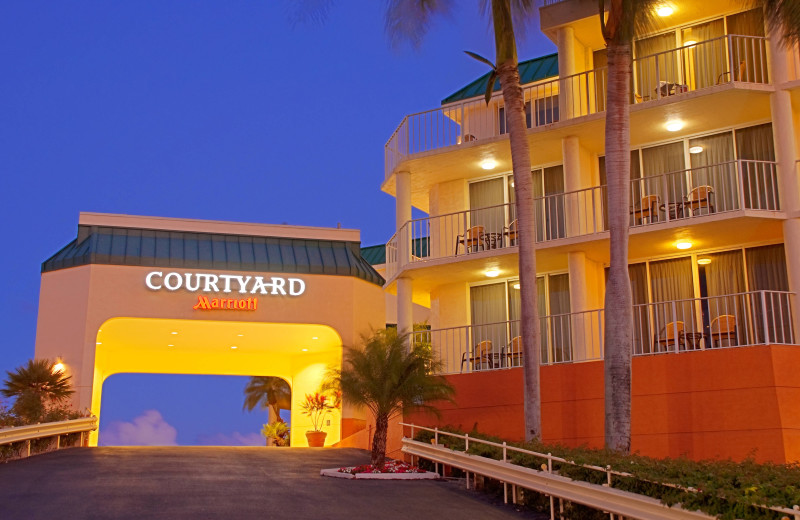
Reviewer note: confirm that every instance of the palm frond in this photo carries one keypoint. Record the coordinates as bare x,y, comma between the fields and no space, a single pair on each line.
308,11
37,377
524,14
782,16
410,20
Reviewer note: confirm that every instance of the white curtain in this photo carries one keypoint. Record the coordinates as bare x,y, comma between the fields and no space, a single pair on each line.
766,271
488,305
714,166
705,62
672,292
666,161
486,205
758,180
654,67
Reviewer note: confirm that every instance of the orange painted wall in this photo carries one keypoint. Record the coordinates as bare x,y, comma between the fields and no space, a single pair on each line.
711,404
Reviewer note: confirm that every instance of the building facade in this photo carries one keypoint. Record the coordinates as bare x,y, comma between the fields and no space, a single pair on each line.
714,237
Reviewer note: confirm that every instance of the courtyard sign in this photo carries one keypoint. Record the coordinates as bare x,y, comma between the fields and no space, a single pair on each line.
225,283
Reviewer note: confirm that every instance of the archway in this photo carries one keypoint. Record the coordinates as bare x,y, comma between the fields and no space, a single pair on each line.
298,353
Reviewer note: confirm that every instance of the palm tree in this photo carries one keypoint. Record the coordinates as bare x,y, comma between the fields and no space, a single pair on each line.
783,16
410,20
624,17
388,379
34,386
270,393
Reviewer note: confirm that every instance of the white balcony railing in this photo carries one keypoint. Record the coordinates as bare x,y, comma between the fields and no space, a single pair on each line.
726,59
682,195
735,320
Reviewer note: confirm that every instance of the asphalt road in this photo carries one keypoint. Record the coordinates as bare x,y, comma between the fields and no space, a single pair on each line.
230,483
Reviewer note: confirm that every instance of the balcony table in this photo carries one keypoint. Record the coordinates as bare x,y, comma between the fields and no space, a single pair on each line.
674,210
691,340
493,240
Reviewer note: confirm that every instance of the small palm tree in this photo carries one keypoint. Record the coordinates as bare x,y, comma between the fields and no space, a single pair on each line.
35,386
387,379
268,393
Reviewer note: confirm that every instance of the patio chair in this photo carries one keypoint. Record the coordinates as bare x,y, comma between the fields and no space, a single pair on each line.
647,209
701,197
481,354
472,239
723,328
510,233
513,353
669,336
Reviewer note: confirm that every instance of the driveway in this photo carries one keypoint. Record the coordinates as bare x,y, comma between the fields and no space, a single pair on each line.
231,483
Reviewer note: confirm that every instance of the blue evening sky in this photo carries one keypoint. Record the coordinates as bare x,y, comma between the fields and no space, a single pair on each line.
212,110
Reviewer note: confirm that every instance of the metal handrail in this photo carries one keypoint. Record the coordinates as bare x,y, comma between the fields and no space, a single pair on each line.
613,500
56,429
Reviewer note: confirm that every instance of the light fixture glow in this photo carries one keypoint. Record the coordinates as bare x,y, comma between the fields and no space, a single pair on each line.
689,43
489,164
314,337
304,349
173,332
98,343
674,126
170,345
512,184
703,261
683,244
492,272
234,347
58,367
515,286
695,149
240,335
664,10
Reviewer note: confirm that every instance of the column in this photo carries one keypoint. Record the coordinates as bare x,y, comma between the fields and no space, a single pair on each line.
784,136
565,38
405,305
402,216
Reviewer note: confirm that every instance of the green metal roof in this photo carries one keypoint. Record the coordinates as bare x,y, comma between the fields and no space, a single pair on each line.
536,69
375,255
147,247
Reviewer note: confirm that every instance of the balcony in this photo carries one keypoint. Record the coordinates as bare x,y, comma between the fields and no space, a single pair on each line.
725,190
737,61
735,320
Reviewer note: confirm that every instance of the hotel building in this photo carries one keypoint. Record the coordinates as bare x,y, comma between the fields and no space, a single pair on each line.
714,236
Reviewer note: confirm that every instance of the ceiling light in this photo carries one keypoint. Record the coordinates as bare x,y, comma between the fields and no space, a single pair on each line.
170,345
240,335
173,332
234,347
489,164
674,126
516,285
695,149
703,261
664,10
58,367
314,337
689,43
304,349
683,244
98,343
492,272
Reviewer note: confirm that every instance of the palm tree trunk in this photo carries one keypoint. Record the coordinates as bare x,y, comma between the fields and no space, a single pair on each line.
514,100
379,440
272,416
618,299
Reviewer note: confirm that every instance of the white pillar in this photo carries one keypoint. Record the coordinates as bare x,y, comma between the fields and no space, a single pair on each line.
570,150
405,305
565,38
402,216
784,136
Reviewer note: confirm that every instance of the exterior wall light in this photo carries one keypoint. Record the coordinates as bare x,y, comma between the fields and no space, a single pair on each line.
234,347
703,261
664,10
58,367
696,149
516,285
674,126
689,43
683,244
489,164
492,273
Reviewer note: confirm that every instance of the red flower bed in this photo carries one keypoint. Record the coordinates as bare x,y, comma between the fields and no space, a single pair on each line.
392,466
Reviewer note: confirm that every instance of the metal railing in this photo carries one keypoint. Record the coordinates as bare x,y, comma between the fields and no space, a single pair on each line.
32,432
685,194
602,497
735,320
727,59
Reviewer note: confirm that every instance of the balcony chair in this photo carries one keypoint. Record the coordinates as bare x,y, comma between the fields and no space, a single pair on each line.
670,335
481,354
510,233
699,198
723,328
513,352
648,209
472,239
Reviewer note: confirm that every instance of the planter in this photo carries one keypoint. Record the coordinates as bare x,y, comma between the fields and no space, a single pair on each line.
316,439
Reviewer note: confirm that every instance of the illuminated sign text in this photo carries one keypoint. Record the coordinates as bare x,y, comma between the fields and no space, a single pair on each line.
225,283
204,303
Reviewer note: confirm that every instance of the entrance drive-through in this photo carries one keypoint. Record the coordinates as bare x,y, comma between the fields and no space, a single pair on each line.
173,296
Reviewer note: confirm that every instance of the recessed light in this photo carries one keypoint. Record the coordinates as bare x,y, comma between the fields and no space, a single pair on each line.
173,332
689,43
515,286
703,261
664,10
314,337
489,164
170,345
304,349
683,244
98,343
234,347
492,272
674,126
695,149
240,335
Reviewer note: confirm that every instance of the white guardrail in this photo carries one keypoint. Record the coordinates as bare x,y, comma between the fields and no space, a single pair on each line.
602,497
52,429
